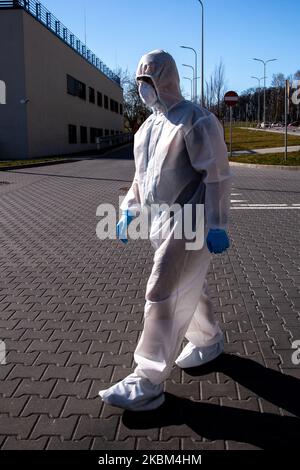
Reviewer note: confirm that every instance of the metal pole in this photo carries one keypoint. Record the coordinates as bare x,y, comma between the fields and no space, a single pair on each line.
259,89
265,93
196,75
258,120
230,131
265,70
188,78
191,67
202,91
202,48
196,69
85,24
285,119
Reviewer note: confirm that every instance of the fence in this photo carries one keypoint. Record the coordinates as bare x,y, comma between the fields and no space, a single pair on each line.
113,140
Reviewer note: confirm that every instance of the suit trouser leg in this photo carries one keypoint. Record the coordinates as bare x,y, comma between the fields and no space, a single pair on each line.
203,322
167,319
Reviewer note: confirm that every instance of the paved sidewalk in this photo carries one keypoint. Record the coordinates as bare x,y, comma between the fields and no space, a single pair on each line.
292,148
72,311
278,130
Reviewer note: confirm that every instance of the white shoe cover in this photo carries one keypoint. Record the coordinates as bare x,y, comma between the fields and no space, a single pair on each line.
134,393
193,356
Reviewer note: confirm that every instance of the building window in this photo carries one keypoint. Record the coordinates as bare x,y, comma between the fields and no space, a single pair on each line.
72,134
71,85
105,102
99,99
81,90
92,95
83,135
106,132
114,106
93,135
76,88
121,109
2,92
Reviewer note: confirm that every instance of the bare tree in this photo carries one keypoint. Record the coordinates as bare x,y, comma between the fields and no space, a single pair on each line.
135,112
215,90
209,93
219,86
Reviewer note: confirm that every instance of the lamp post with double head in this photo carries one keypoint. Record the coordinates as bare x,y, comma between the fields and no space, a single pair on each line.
194,75
259,88
264,62
196,69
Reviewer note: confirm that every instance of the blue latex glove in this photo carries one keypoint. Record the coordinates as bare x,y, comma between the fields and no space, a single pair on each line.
122,226
217,240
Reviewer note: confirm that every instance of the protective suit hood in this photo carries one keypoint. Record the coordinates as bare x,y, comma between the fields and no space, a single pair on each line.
160,67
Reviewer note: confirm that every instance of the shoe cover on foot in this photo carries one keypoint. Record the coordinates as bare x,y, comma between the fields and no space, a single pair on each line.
134,393
193,356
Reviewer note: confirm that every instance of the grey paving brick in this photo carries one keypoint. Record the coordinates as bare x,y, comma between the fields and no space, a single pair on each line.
29,387
57,372
13,443
56,443
46,426
88,426
16,426
82,407
77,389
102,444
12,406
51,407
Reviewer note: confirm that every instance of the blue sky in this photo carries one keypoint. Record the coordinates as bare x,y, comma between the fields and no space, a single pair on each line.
120,32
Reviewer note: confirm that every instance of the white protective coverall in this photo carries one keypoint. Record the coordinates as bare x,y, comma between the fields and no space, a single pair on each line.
180,157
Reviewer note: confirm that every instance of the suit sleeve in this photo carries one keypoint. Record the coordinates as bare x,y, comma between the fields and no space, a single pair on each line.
131,202
208,154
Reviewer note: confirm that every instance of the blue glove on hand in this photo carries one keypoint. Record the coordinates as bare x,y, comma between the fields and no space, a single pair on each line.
122,226
217,240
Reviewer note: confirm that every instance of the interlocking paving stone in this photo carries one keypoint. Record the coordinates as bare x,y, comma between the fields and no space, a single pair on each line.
72,313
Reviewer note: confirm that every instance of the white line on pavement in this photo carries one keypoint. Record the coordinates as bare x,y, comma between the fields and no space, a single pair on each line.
262,208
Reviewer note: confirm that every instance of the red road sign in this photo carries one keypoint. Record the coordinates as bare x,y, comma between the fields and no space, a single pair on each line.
231,98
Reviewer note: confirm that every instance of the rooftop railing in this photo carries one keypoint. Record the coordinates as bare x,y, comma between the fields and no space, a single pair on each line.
44,16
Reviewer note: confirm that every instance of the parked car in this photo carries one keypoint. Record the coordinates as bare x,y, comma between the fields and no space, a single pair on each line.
265,125
294,124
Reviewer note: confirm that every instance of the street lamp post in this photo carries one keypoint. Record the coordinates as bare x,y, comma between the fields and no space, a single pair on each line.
191,67
188,78
196,68
264,62
202,47
259,88
191,80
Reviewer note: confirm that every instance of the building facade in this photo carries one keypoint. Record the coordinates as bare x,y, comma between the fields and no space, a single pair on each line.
59,96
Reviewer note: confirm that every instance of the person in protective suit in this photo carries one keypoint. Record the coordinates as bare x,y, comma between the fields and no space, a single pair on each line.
180,158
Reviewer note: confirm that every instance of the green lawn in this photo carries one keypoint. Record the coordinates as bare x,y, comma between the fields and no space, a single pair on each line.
293,159
244,139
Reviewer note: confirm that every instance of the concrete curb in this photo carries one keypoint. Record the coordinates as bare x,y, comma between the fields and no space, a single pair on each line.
69,160
36,165
272,167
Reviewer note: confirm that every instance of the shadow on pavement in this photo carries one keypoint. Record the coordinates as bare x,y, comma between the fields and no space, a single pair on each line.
264,430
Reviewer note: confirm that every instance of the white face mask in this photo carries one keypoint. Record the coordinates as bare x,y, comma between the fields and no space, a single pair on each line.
147,94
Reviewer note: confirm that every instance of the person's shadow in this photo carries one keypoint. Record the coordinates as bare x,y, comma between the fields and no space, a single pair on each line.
264,430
